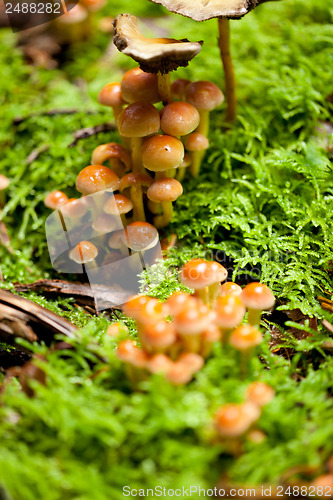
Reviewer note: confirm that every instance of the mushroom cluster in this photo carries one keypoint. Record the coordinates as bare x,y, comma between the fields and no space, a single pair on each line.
178,335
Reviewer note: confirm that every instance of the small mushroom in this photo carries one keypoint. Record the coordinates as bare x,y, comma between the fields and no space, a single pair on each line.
162,154
179,118
118,205
204,277
179,301
159,363
154,55
140,236
110,95
96,178
137,85
74,208
136,121
205,96
116,329
105,223
129,352
257,297
4,183
183,166
157,336
178,88
230,312
208,338
260,393
233,420
134,305
245,338
84,253
193,362
136,183
119,158
190,323
55,200
197,144
178,374
230,288
164,191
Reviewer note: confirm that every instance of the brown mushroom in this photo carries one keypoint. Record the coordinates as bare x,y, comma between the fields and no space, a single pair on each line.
140,236
110,95
164,191
119,158
84,253
154,55
179,118
118,205
178,88
257,297
137,85
197,144
162,154
55,200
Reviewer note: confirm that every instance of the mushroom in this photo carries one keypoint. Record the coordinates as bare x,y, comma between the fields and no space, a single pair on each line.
204,277
105,223
116,329
118,205
84,253
193,362
136,121
116,242
257,297
162,154
136,182
74,208
157,336
196,143
73,26
55,200
179,301
208,338
205,96
159,363
154,55
178,374
4,183
178,88
134,304
140,236
233,420
230,312
260,393
190,323
110,95
129,352
164,191
245,337
179,118
230,288
120,159
137,85
96,178
183,166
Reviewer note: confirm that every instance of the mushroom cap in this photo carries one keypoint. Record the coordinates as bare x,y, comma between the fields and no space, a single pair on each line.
196,142
260,393
74,208
179,301
164,190
134,304
96,178
193,362
201,11
110,151
118,204
245,337
159,363
230,288
105,223
116,329
4,182
84,252
110,95
139,119
198,273
139,236
133,179
179,118
152,310
186,161
162,152
257,296
194,320
234,419
137,85
178,374
212,334
204,95
178,88
55,199
230,311
128,351
324,481
153,54
116,239
158,335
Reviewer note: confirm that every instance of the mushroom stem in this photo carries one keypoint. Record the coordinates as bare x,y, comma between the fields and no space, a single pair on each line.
136,155
181,174
164,87
230,85
117,109
254,316
213,293
164,219
203,127
196,157
161,175
138,208
154,207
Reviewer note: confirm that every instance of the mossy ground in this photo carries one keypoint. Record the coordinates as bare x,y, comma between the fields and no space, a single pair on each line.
264,201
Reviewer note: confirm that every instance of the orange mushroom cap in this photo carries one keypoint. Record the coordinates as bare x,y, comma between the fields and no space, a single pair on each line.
134,304
162,152
4,183
137,85
245,337
116,329
110,95
83,253
232,420
178,374
178,88
230,288
74,208
179,301
260,393
179,118
105,223
204,95
193,321
193,362
158,335
159,363
230,311
133,179
211,334
55,199
118,204
198,273
139,236
164,190
139,119
96,178
111,151
128,352
257,296
324,481
196,142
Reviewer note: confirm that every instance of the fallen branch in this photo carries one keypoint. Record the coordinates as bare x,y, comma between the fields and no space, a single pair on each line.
36,153
84,133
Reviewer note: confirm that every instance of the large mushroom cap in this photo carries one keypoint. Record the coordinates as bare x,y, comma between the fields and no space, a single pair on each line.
164,190
201,10
139,119
139,236
153,54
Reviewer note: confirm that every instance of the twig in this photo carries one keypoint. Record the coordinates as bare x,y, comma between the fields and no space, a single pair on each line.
36,153
84,133
52,112
327,325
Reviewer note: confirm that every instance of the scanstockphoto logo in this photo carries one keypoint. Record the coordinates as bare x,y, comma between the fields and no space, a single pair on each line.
23,15
84,239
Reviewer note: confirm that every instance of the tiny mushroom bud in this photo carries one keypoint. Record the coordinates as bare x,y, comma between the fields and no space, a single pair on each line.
116,154
128,352
196,143
257,297
118,205
115,329
136,121
260,393
205,96
230,312
55,200
178,88
230,288
140,236
204,277
136,183
137,85
110,95
164,191
179,118
154,55
4,183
